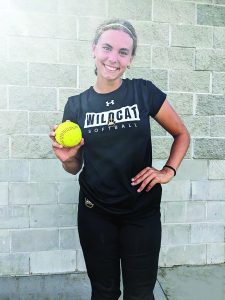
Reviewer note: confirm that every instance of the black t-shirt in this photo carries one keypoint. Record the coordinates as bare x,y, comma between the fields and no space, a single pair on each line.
117,136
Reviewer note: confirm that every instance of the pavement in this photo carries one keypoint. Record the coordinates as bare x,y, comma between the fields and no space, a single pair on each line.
175,283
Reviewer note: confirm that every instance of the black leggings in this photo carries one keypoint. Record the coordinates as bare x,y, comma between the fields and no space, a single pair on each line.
108,240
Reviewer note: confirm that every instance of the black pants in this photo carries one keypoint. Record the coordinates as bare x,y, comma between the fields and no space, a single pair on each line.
108,240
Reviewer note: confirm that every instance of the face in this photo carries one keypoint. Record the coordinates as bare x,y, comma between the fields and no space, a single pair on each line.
113,53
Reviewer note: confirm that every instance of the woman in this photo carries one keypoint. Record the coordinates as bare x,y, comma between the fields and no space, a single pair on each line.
120,190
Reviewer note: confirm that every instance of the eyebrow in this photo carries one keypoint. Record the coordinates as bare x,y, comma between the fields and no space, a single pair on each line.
124,49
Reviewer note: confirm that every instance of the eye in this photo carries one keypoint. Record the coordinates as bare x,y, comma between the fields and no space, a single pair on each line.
107,48
123,52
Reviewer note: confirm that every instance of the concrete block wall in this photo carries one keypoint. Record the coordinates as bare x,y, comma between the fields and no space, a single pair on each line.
45,56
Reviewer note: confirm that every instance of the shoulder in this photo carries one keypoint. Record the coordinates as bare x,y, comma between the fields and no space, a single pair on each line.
75,98
139,83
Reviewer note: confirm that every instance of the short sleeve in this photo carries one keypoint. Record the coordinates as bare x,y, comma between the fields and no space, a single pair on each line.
153,96
69,110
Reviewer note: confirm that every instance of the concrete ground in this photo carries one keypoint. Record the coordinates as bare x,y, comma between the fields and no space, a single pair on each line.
177,283
193,282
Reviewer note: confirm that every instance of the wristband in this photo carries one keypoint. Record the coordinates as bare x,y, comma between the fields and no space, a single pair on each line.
167,166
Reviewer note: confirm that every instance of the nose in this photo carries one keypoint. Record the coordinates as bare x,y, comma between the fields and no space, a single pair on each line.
113,57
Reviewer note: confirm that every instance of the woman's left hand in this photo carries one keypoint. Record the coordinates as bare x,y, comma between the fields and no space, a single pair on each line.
149,177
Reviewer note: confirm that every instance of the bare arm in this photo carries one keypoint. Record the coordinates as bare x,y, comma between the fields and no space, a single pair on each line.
74,164
172,123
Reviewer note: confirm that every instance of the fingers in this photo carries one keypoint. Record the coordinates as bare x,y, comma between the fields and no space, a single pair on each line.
148,177
52,132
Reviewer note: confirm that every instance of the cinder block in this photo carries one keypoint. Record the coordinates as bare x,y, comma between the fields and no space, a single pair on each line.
216,211
75,52
43,122
96,8
29,49
42,25
3,21
13,73
175,234
217,169
219,37
4,146
215,253
3,97
161,147
154,34
80,261
189,81
69,239
48,170
32,98
208,105
143,57
174,12
87,77
14,217
4,5
207,233
181,102
176,190
33,193
218,83
3,48
191,36
53,215
210,59
31,146
196,211
13,122
34,240
211,15
137,10
212,148
158,77
53,75
4,241
173,58
208,190
156,129
53,262
175,212
197,126
47,6
180,255
14,170
4,193
14,264
87,27
193,170
68,192
30,24
217,126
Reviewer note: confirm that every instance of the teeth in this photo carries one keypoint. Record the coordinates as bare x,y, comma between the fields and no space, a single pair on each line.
110,68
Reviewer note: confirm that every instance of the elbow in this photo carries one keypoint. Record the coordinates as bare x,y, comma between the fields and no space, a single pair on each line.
183,135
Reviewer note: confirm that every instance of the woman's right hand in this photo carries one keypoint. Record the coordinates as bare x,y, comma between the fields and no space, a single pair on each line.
62,153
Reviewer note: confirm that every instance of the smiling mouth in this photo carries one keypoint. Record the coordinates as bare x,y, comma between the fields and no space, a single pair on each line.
111,68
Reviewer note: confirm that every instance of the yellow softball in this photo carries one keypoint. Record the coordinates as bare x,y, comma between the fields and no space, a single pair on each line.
68,134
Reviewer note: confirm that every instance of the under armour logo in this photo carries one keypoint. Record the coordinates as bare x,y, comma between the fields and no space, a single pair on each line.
111,102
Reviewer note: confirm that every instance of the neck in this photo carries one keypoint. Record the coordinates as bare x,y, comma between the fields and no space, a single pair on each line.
107,87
